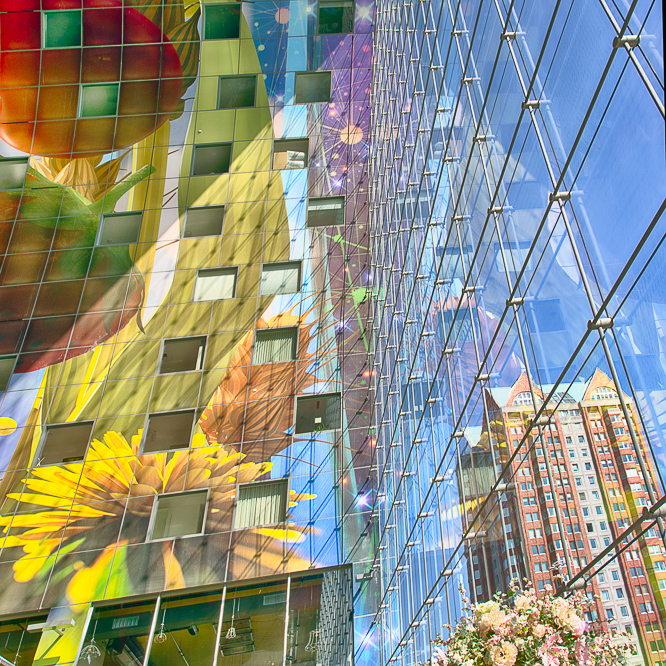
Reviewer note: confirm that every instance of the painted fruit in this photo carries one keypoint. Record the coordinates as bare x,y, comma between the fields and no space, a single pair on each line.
47,103
60,295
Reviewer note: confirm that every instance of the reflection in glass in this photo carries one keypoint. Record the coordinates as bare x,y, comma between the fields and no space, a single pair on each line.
17,645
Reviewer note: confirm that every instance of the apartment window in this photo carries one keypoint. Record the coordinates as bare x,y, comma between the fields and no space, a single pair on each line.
263,503
203,221
290,153
335,17
214,284
609,613
236,92
119,228
168,431
275,345
7,364
61,28
98,99
590,527
178,515
222,21
312,87
182,354
326,211
318,413
619,592
12,172
615,575
282,278
211,159
593,543
64,443
604,595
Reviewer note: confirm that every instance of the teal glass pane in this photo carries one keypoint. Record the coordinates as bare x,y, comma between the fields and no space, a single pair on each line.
236,92
99,100
336,17
222,22
62,28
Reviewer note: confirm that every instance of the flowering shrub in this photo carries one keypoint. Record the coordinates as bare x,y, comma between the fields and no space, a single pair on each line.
527,630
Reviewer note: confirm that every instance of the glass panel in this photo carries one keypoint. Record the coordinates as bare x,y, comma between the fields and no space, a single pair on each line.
222,21
62,28
254,622
7,364
65,443
211,160
204,221
312,87
261,504
168,432
17,644
12,173
290,153
179,515
183,354
118,635
326,211
318,413
280,278
236,92
186,630
275,346
98,100
336,17
215,284
120,229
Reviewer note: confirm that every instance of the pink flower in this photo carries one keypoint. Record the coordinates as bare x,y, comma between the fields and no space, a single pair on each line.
581,651
540,631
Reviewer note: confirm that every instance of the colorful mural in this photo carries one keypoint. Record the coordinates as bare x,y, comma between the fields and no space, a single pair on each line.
120,122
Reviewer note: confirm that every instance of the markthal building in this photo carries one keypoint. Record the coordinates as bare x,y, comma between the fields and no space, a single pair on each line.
315,312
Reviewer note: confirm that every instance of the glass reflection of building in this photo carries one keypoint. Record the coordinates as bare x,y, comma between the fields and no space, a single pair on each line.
517,224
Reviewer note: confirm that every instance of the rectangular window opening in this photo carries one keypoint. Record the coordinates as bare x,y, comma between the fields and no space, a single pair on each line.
259,504
183,354
326,211
312,87
65,443
237,92
318,413
119,228
290,153
13,171
212,159
7,364
61,28
282,278
203,221
222,21
336,17
179,515
275,345
98,99
214,284
168,431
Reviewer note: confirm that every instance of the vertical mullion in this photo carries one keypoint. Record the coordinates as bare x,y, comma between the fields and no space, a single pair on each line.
151,635
286,623
218,637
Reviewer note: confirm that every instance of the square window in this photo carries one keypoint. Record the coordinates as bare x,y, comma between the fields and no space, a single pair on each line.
263,503
64,443
275,345
312,87
290,153
336,17
119,229
318,413
203,221
13,171
182,354
7,364
98,99
61,28
282,278
214,284
236,92
222,21
212,159
326,211
168,431
179,515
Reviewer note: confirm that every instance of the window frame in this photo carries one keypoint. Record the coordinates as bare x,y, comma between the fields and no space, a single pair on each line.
105,216
180,372
44,436
96,84
284,481
44,28
322,4
206,7
314,73
198,146
286,140
4,386
154,509
343,210
210,270
14,160
327,394
146,429
298,263
198,208
220,87
258,331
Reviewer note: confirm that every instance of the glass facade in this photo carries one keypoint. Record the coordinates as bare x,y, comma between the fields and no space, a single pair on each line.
313,312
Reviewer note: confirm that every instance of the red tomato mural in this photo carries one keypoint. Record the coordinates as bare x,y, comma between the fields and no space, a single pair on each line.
42,90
